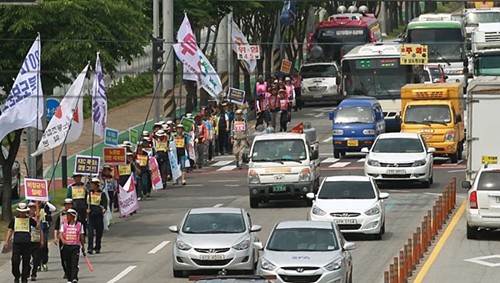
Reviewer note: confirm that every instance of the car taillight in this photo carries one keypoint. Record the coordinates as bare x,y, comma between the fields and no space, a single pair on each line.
473,200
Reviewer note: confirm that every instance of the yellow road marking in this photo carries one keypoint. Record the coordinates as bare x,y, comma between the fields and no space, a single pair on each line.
421,274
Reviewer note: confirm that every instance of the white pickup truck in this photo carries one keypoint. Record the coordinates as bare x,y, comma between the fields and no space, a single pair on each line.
282,166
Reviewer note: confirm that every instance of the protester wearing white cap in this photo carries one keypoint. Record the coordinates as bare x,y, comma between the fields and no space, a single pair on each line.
181,144
19,227
61,218
239,137
161,145
78,192
97,207
72,236
36,238
189,116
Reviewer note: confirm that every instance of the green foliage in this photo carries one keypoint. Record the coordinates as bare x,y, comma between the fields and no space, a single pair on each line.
124,91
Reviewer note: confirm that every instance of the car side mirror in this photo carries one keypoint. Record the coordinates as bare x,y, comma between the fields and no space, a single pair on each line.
431,150
255,228
349,246
365,150
315,155
173,229
258,246
331,116
310,195
245,158
436,80
445,77
458,118
466,185
378,115
383,196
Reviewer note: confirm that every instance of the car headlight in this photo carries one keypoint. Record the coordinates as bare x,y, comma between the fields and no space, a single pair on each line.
450,136
318,211
267,265
305,175
373,211
243,245
253,177
337,132
368,132
419,163
372,162
182,246
334,265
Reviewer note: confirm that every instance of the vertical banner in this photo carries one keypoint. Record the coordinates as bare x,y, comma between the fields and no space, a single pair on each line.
174,163
127,198
155,174
99,100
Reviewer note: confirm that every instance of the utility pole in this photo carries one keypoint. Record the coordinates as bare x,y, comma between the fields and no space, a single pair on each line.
383,10
156,35
223,53
227,43
168,74
276,51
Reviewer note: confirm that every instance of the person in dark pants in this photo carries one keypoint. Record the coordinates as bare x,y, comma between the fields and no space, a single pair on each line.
46,220
61,219
297,84
78,191
191,96
223,124
72,236
97,207
144,174
37,240
161,146
19,227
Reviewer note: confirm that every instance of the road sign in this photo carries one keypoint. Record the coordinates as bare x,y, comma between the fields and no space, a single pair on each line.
111,138
248,52
51,105
413,54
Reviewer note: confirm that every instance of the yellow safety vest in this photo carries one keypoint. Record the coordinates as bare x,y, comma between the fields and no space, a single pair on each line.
21,225
180,142
124,170
95,198
161,145
77,192
143,160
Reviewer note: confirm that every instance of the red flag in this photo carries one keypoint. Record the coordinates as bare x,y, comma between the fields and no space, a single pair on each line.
299,129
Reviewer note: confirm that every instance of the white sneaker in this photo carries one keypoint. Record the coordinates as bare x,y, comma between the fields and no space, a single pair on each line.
139,199
183,182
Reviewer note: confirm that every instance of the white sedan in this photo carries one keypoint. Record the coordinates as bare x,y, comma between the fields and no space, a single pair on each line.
400,157
354,203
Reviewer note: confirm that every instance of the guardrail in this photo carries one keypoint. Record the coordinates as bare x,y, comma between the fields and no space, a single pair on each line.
406,262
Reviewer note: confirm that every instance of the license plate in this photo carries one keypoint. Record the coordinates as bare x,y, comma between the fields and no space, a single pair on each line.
211,257
498,199
345,221
352,143
279,188
396,172
317,95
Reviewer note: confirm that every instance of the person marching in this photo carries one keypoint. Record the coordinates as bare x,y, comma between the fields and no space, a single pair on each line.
19,227
124,172
297,84
260,87
97,207
239,137
78,192
72,237
109,184
37,240
46,210
143,174
274,106
202,141
61,219
285,109
210,129
161,145
290,93
181,142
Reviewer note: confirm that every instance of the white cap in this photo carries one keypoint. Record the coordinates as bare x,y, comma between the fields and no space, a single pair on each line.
160,133
22,207
95,180
239,111
189,115
169,122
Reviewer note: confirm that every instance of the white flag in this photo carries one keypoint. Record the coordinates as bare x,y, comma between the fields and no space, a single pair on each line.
77,124
59,125
24,106
99,101
237,38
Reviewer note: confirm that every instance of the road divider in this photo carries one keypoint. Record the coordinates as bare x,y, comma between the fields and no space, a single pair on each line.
406,262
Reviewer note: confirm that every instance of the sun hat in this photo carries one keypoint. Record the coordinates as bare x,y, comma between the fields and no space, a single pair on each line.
22,207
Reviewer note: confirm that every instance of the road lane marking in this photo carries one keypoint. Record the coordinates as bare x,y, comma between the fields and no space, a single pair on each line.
330,160
122,274
327,140
362,160
434,254
159,247
230,185
227,168
340,164
219,205
482,260
457,171
222,163
225,180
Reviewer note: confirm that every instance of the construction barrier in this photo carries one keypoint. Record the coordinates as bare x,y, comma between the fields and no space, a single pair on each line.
409,257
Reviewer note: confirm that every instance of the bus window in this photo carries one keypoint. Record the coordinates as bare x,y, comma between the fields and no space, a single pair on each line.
445,44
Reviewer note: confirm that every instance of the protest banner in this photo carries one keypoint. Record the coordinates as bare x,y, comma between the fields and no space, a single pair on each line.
127,198
115,155
35,189
155,174
235,95
87,165
174,163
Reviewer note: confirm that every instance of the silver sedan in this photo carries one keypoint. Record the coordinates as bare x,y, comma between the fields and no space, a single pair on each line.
215,238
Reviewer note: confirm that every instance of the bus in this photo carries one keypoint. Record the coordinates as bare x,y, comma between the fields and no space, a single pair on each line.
445,38
342,32
373,70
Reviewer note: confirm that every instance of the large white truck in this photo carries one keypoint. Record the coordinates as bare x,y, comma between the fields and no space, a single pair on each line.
486,49
483,139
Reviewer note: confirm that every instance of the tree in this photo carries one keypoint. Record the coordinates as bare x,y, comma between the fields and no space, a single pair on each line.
71,34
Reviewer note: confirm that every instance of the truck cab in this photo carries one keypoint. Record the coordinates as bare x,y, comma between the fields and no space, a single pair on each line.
356,123
436,112
282,166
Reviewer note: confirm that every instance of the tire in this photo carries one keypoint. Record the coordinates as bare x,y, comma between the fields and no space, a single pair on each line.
383,228
254,203
309,202
471,232
178,273
426,184
431,180
454,157
378,236
460,150
336,153
342,153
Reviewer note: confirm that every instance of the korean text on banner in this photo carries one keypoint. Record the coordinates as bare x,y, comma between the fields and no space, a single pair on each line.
413,54
87,165
35,189
286,66
155,174
25,96
99,100
187,123
127,198
239,40
174,163
236,96
111,137
115,155
133,136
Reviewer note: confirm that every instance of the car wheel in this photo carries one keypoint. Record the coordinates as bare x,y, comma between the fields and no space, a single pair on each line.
342,153
309,202
336,153
378,236
459,150
431,180
383,229
15,190
254,203
471,232
426,184
454,157
178,273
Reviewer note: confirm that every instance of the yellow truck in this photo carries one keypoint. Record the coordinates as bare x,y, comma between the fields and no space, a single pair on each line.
436,111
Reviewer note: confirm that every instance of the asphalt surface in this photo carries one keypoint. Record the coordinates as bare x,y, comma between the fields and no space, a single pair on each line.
139,248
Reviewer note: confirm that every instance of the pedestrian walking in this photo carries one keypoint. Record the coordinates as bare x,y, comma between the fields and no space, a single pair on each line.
285,110
78,193
239,137
223,127
97,207
61,219
274,107
109,183
72,237
290,93
205,116
297,84
201,141
161,148
19,229
37,240
46,210
181,142
143,174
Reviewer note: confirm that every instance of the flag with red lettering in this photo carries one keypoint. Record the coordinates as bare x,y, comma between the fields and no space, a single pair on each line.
239,39
299,129
127,197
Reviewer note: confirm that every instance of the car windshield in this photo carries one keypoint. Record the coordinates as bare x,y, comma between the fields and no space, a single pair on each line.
427,77
424,114
489,181
303,239
444,44
214,223
347,190
436,73
270,150
398,145
318,71
354,114
487,65
483,17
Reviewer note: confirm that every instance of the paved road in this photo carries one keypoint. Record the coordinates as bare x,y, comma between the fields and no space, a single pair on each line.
139,248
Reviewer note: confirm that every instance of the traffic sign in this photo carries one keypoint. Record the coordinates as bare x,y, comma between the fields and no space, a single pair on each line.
413,54
51,105
248,52
111,138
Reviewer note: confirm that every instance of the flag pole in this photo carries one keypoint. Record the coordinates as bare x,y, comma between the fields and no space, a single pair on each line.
95,84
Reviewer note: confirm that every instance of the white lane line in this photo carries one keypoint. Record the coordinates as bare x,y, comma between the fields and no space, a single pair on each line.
434,194
327,140
230,185
227,168
456,171
159,247
122,274
362,160
222,163
219,205
193,185
340,164
225,180
330,160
